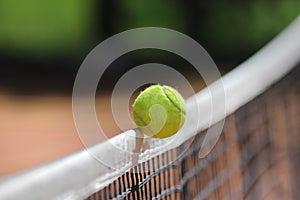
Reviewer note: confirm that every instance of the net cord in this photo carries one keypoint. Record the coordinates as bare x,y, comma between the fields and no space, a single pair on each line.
79,175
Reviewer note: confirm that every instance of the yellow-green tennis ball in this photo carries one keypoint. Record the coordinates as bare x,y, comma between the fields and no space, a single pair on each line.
159,111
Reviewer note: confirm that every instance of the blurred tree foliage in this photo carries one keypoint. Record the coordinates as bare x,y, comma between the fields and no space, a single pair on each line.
50,38
44,27
228,29
234,29
167,13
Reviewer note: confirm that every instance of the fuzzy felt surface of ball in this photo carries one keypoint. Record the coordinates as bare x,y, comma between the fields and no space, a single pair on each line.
159,111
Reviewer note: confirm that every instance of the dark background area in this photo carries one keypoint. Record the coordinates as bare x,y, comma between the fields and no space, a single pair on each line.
42,44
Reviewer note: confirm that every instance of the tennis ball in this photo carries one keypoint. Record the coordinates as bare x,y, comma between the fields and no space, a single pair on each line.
159,111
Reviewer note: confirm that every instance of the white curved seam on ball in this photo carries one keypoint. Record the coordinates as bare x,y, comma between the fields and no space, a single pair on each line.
174,104
141,119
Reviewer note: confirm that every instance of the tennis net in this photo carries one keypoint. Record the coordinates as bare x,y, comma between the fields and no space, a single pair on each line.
256,156
251,160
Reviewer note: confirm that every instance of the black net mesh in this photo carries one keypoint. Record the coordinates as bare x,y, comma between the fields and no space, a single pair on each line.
256,157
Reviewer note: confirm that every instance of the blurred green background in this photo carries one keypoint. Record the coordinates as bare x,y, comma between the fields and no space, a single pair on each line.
42,43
